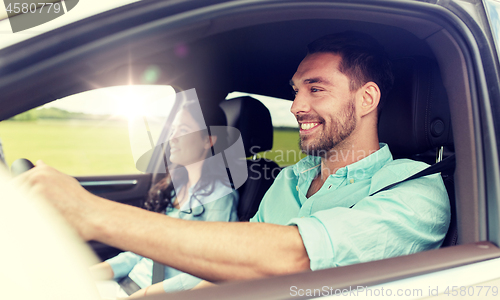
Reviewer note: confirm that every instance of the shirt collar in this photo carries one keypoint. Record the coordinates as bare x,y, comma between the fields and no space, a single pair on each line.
362,169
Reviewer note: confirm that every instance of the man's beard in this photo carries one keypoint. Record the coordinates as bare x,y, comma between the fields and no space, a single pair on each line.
341,128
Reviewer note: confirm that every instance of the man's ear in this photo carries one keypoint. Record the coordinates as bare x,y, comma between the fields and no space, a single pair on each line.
369,97
212,139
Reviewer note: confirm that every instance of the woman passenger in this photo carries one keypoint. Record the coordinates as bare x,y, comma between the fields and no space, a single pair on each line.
196,187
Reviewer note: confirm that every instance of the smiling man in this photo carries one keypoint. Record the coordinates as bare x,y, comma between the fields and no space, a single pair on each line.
339,89
318,213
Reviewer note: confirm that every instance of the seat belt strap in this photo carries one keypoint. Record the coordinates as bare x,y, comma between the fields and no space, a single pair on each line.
129,285
158,272
443,165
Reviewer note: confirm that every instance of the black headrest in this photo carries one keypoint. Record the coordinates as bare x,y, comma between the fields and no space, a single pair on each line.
253,120
415,117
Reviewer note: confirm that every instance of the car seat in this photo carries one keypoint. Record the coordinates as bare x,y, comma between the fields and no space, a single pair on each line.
415,121
253,120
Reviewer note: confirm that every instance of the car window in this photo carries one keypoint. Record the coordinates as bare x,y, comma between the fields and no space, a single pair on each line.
285,149
102,131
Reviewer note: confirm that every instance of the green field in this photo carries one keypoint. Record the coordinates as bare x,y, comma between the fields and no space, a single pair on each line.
285,150
76,147
93,147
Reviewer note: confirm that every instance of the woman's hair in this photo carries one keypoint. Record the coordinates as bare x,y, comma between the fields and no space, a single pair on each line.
161,195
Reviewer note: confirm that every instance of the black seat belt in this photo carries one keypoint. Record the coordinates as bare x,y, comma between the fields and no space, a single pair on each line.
158,272
129,285
443,165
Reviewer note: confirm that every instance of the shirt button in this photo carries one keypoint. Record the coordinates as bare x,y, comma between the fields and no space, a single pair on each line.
352,180
329,186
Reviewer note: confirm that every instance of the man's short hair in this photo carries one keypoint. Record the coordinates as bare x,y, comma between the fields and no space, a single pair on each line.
363,59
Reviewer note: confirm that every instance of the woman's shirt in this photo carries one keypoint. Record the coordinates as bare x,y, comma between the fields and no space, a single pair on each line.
219,205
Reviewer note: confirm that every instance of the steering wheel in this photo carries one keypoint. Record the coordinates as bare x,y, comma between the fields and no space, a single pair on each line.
20,165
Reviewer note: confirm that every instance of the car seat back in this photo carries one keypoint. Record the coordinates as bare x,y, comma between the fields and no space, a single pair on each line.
253,120
415,120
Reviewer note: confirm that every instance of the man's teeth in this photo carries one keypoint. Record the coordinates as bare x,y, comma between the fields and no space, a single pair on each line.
306,126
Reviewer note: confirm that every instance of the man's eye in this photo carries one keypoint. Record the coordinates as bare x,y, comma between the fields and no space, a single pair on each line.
313,89
294,92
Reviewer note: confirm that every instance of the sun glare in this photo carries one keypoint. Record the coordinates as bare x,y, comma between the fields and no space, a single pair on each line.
134,102
130,103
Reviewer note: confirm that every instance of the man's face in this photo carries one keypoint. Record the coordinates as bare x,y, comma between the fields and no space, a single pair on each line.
324,105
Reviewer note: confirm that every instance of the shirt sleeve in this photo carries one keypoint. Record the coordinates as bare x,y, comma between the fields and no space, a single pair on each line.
411,217
123,263
180,282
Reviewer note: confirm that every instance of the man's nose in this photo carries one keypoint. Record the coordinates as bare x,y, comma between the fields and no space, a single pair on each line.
300,104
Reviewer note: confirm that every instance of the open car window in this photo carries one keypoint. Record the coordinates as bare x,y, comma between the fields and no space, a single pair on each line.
285,150
98,132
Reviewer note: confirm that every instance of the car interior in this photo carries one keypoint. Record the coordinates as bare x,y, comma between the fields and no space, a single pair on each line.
257,50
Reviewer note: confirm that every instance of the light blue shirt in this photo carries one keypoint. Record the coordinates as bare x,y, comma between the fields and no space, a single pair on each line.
410,217
140,269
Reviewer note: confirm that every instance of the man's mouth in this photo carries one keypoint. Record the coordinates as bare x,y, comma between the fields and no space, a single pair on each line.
308,126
